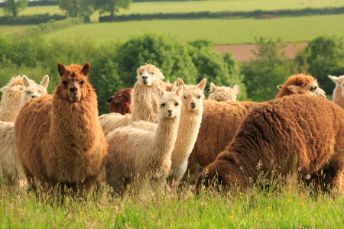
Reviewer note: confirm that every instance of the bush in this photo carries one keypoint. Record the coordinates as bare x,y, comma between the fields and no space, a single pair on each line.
323,56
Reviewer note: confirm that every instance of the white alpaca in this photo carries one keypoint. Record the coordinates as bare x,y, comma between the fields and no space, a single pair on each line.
10,167
190,122
223,93
145,100
338,92
19,90
136,153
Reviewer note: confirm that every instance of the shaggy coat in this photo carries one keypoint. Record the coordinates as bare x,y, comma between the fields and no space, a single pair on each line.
112,121
59,138
221,121
338,92
279,136
120,102
136,153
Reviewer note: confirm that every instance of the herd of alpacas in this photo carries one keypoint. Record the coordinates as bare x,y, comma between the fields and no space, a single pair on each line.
167,133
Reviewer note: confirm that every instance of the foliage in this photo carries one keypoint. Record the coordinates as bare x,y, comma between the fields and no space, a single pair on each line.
269,69
75,8
323,56
111,6
13,7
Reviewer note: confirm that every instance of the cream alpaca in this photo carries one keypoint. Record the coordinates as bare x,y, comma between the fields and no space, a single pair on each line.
136,153
338,92
144,97
19,90
223,93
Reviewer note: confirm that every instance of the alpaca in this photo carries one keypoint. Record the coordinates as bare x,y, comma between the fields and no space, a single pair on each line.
190,122
294,134
19,90
223,93
59,138
136,153
144,99
300,84
120,102
338,92
221,120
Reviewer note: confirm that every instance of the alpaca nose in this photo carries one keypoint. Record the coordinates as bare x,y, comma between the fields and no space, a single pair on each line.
144,77
73,89
193,105
169,112
33,96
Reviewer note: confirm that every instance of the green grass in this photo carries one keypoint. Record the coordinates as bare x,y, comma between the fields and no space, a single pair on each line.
10,29
288,208
219,31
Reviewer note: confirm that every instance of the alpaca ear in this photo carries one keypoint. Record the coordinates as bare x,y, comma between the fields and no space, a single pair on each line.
212,87
61,69
333,78
161,92
236,88
160,75
179,90
86,69
45,81
180,82
279,86
26,81
202,84
109,99
294,88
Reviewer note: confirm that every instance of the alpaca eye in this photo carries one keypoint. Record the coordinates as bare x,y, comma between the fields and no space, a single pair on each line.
28,92
176,104
163,104
185,97
198,97
313,88
65,83
82,82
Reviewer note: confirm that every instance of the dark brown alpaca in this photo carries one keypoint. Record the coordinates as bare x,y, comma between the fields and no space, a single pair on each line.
59,138
120,102
294,134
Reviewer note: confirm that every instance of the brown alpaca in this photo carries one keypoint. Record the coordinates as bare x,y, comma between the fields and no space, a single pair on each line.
300,84
120,102
221,121
294,134
59,138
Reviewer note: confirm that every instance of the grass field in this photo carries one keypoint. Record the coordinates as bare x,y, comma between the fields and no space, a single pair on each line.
198,6
219,31
288,208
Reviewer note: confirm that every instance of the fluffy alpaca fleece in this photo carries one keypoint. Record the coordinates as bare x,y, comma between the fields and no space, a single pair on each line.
223,93
59,137
120,102
11,171
300,84
136,153
190,122
338,92
294,134
221,120
19,90
144,99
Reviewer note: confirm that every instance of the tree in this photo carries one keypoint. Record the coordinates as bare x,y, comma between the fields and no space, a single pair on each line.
77,8
269,69
13,7
111,6
323,56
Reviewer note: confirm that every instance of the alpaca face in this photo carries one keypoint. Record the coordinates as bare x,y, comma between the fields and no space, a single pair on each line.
312,88
149,75
223,93
33,90
339,81
170,103
73,81
193,97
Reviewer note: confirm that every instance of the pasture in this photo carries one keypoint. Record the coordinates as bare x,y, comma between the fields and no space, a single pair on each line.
219,31
289,208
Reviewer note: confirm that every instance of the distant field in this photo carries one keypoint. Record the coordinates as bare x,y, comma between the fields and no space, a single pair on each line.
10,29
198,6
219,31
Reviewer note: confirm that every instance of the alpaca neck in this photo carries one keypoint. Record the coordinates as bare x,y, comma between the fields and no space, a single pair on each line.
145,104
189,125
10,106
74,123
165,138
337,97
